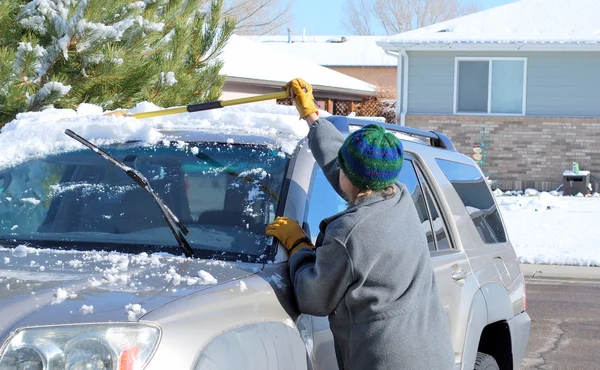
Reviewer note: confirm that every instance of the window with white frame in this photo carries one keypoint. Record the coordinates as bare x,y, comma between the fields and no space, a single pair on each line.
490,86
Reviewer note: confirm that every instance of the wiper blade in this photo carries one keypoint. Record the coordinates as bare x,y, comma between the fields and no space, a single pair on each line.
177,227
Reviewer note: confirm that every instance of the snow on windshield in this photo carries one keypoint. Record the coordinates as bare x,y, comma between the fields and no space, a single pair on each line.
37,134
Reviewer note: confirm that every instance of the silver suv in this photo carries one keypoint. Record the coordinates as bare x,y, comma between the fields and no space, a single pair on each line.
92,274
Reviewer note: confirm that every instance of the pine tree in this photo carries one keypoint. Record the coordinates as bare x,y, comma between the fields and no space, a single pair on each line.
111,53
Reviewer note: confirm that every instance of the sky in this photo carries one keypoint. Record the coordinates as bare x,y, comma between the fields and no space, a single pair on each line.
325,17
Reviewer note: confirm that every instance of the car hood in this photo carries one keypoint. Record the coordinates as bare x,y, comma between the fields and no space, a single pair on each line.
51,287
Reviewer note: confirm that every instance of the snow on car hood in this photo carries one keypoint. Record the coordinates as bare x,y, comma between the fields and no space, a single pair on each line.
46,286
36,134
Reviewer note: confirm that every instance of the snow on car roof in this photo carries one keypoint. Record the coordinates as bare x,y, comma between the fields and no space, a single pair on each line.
36,134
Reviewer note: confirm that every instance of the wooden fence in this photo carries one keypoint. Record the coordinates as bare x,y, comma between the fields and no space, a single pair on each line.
368,108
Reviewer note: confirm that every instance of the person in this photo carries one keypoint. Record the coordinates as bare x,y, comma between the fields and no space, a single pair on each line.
370,270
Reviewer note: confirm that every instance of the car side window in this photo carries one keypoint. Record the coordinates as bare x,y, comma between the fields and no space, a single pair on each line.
471,187
437,221
409,178
324,202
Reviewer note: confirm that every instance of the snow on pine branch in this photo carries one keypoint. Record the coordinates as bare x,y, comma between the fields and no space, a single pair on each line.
28,61
48,94
167,79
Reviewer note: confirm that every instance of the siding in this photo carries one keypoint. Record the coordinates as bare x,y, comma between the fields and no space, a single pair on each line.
563,84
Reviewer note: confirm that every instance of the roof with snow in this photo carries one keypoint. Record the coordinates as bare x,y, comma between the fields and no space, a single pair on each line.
330,51
524,24
248,60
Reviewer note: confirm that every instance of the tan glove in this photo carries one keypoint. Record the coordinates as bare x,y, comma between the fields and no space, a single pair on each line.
302,94
289,233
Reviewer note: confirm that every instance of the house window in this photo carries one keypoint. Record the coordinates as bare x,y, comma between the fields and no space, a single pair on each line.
490,86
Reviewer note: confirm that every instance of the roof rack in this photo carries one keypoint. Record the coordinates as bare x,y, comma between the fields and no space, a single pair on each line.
436,139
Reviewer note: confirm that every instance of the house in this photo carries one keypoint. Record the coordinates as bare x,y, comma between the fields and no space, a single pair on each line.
254,69
356,56
523,77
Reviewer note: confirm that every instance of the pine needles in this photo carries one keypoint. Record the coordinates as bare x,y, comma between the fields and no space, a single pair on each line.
115,54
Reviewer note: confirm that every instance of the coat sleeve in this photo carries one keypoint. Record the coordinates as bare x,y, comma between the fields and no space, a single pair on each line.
322,277
324,141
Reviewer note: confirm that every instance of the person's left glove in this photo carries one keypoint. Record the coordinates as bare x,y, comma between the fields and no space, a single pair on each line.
289,233
302,93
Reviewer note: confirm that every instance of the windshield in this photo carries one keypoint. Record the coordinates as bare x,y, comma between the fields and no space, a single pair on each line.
226,194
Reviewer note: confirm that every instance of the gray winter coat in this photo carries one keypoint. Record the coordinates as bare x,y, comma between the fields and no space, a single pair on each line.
372,274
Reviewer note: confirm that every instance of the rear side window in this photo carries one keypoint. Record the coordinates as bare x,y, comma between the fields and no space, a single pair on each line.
477,198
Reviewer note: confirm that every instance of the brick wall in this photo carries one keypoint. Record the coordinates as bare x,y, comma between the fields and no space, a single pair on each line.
524,152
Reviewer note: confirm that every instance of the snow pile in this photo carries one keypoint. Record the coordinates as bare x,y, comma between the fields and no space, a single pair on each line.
61,295
544,201
206,278
36,134
531,192
553,230
87,309
134,311
21,251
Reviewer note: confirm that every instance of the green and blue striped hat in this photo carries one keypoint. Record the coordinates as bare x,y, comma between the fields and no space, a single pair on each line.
371,158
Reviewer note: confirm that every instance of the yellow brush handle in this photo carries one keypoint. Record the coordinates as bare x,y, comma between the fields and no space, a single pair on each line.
158,113
207,106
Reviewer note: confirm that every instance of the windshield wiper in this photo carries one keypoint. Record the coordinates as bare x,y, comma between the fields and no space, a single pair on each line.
177,227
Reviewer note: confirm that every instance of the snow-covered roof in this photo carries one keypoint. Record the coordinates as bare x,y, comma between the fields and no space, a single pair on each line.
524,24
330,51
250,60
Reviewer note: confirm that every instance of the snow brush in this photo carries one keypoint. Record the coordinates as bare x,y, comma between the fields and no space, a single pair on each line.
199,107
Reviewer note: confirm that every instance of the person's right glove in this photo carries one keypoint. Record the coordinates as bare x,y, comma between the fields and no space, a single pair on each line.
289,233
302,94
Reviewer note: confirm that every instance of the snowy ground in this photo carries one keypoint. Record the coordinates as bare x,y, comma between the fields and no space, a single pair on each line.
548,229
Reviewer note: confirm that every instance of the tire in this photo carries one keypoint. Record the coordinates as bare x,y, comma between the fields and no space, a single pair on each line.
483,361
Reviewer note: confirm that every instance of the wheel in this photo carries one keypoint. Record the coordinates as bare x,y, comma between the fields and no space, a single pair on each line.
483,361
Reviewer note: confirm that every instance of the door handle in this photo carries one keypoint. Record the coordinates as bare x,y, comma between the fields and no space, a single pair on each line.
459,275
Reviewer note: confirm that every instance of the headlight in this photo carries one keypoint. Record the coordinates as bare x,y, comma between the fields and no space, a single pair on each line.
81,347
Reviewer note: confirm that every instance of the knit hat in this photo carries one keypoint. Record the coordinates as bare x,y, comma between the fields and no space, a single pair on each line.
371,158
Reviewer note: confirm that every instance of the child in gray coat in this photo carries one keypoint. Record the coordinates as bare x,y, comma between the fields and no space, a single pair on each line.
370,270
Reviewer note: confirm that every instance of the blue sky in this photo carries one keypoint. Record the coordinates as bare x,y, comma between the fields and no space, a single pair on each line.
324,17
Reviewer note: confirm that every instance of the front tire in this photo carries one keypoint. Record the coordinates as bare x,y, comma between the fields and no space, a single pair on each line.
483,361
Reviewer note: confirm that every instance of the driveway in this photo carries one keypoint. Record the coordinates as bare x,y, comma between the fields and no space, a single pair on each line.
565,328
